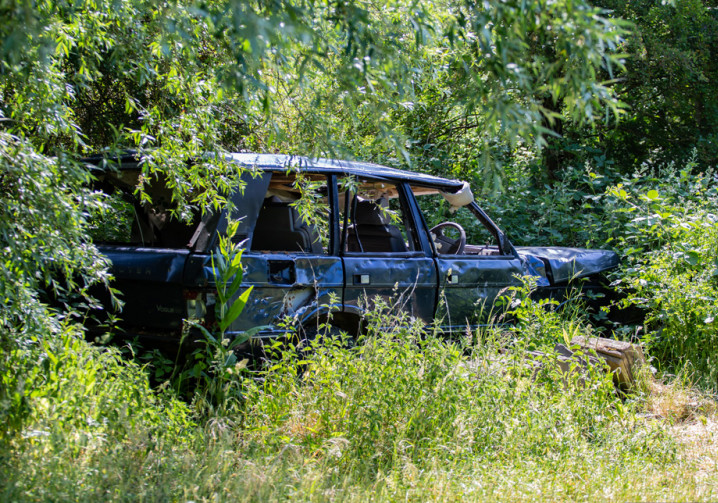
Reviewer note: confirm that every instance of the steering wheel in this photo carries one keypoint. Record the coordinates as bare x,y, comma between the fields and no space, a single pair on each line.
445,244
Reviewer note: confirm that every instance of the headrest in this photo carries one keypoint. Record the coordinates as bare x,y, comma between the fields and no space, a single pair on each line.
370,213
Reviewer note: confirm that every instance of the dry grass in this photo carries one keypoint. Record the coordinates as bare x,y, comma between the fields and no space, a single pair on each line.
679,404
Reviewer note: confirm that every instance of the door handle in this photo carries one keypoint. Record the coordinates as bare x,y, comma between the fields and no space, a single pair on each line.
362,279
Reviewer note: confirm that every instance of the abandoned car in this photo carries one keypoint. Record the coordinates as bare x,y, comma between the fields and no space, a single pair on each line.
319,235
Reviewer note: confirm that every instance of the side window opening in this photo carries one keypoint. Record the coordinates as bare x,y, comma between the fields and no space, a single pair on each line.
119,218
374,219
111,219
446,222
294,216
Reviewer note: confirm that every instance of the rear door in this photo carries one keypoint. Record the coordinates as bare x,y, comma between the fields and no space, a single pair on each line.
291,259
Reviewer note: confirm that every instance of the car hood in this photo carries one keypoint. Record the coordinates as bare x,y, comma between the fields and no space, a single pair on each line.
570,263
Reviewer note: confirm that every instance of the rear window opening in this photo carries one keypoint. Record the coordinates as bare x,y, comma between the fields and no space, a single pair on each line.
118,217
373,218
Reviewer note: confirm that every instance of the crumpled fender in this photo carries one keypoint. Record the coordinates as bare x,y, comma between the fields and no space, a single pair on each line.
565,264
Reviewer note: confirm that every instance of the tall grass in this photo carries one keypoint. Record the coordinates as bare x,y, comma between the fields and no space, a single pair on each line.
401,414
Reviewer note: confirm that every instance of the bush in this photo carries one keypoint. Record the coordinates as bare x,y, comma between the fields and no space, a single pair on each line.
678,285
662,221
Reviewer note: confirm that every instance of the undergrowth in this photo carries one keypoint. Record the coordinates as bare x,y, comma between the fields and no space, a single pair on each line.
663,221
400,413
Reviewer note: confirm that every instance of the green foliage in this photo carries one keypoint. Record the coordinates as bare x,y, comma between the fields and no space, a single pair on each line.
403,397
214,370
679,286
662,222
44,246
541,324
675,225
68,390
110,221
392,417
455,88
669,83
477,78
594,206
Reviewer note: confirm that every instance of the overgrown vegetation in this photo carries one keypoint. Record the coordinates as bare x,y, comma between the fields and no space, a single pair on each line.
663,223
582,126
401,414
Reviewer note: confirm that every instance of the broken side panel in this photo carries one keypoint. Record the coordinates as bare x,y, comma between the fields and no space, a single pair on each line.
469,285
285,288
287,258
288,287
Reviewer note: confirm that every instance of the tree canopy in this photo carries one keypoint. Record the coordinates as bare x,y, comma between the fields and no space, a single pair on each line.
454,87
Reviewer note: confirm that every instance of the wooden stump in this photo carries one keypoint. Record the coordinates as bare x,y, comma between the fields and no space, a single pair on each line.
623,358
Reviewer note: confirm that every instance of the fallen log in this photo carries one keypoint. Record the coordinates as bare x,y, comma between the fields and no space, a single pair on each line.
624,359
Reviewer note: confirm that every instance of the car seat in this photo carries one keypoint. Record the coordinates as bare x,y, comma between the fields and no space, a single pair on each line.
372,231
280,228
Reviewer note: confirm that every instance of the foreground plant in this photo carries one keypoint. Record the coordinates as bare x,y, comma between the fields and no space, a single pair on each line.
215,368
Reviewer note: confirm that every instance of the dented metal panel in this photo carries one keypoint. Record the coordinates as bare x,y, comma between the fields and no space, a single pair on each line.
565,264
469,286
409,280
287,285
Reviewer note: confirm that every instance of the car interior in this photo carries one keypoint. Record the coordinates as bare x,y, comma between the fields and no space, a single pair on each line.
125,219
294,217
372,229
281,228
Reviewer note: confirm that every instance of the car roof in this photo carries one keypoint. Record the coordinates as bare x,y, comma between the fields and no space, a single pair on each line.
282,162
279,162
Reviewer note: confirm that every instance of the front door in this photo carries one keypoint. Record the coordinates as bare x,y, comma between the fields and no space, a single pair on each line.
475,263
469,286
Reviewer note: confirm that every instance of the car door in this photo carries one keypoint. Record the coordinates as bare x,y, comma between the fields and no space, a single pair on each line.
470,279
383,254
291,259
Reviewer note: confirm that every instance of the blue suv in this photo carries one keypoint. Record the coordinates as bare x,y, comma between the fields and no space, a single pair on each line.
320,235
